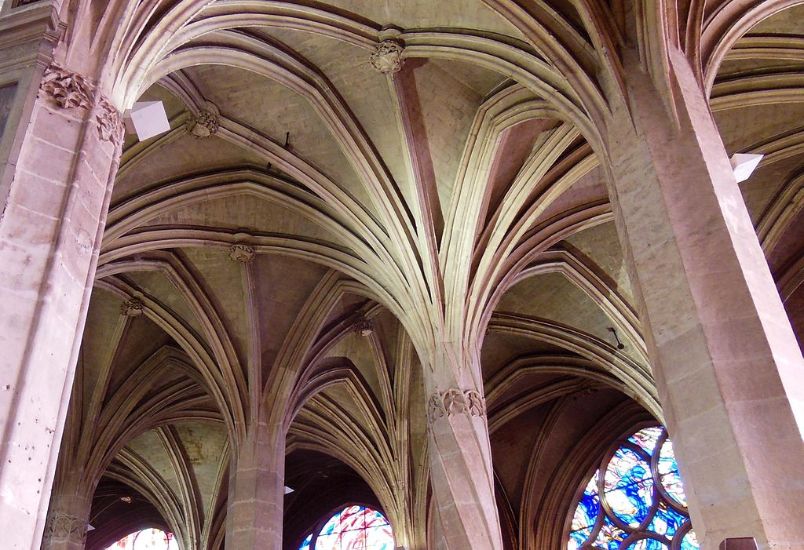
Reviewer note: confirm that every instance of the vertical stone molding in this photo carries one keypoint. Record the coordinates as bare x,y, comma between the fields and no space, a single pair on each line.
254,518
726,362
61,173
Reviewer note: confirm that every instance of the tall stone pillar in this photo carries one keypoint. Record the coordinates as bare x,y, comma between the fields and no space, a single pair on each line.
460,457
59,159
727,366
67,520
254,518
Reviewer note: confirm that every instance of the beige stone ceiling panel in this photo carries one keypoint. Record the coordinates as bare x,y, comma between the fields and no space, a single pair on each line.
552,296
99,343
358,350
205,446
285,285
746,127
157,286
500,349
150,448
223,279
274,110
142,340
601,245
181,156
244,213
471,14
448,108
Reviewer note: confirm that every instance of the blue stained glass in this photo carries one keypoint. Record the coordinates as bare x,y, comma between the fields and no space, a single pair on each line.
629,487
690,542
668,472
305,545
610,536
647,544
577,538
647,438
586,513
666,521
630,495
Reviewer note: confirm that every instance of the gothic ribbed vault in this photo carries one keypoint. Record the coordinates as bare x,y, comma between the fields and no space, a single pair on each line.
321,217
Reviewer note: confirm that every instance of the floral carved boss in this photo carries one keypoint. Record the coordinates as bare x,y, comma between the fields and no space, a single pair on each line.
455,402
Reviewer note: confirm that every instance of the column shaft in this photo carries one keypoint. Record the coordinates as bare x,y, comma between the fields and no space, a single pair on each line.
726,363
256,492
461,472
61,171
67,520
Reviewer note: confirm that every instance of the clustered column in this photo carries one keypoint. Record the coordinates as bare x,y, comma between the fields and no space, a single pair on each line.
461,472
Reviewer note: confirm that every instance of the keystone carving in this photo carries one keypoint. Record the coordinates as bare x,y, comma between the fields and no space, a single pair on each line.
66,89
65,526
204,124
242,253
387,57
133,307
453,402
364,327
110,123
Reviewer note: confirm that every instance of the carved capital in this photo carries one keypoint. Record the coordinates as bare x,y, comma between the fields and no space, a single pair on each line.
110,123
65,526
67,89
242,253
454,401
204,124
387,57
133,307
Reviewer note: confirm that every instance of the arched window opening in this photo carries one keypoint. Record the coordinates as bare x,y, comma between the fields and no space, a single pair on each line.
635,500
147,539
353,528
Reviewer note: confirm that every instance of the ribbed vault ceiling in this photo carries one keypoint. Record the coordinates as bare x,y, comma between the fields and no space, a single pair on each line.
457,199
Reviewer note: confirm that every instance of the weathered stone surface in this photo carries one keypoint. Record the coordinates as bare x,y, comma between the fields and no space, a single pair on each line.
728,371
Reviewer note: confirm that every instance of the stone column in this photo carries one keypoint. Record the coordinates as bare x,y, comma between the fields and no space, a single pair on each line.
67,521
727,366
461,473
254,518
55,189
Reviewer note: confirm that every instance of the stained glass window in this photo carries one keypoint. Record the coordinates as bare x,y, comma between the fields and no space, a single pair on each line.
353,528
147,539
635,500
